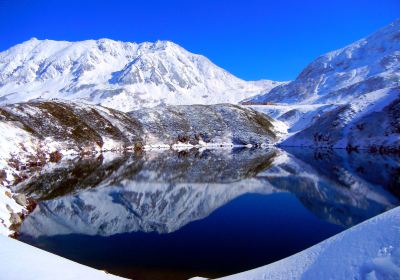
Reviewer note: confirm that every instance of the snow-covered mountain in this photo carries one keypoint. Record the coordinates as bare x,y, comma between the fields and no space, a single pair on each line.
342,75
119,75
340,98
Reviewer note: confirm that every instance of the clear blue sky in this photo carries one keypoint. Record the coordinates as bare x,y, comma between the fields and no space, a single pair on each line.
252,39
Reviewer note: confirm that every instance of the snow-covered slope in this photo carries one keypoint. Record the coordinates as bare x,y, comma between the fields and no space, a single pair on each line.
370,122
290,119
34,132
24,262
119,75
370,250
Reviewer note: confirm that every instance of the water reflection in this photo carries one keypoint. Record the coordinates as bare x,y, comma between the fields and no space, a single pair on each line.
180,214
341,188
156,191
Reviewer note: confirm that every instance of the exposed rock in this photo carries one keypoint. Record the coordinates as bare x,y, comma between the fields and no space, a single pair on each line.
21,199
15,219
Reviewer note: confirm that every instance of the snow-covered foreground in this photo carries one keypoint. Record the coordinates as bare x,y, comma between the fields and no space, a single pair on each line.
370,250
23,262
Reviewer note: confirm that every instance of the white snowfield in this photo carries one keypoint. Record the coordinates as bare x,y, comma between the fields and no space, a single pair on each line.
370,250
292,118
20,261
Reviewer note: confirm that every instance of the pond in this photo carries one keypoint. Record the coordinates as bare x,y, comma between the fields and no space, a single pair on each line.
178,214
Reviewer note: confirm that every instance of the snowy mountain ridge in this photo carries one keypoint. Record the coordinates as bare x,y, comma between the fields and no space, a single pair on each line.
340,76
123,76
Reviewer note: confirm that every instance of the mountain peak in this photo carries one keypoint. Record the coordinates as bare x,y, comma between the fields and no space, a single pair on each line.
33,39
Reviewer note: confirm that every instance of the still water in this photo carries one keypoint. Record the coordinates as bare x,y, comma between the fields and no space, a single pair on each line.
175,215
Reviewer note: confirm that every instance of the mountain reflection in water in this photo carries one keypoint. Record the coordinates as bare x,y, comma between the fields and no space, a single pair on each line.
174,215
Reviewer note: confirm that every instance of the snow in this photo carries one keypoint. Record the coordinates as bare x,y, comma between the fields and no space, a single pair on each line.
371,102
292,118
11,138
205,145
355,124
112,145
21,261
200,146
370,250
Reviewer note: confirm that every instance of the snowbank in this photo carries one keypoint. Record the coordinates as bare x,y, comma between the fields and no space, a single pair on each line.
370,250
22,261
